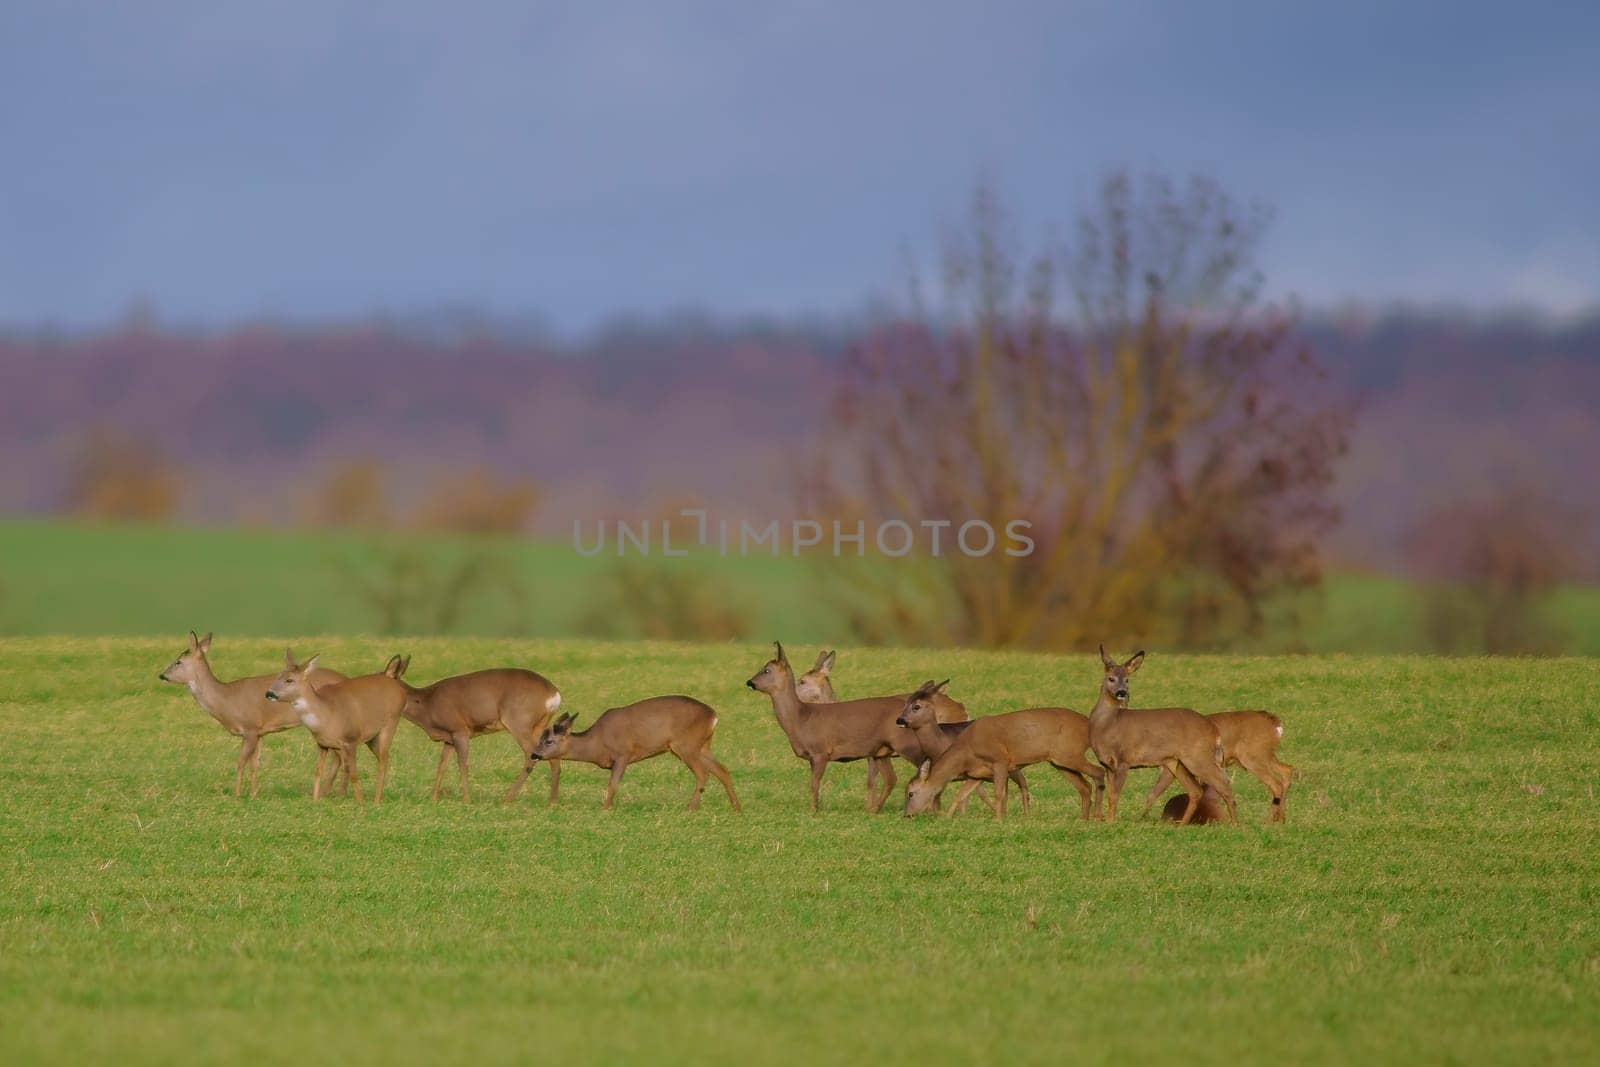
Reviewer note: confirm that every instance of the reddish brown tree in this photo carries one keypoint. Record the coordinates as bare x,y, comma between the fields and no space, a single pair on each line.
1130,395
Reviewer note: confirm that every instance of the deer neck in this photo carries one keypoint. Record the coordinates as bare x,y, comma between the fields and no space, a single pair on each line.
311,705
932,739
207,691
1106,710
586,748
786,706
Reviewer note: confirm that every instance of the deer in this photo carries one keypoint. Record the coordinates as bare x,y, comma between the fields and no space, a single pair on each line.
626,735
816,687
1249,739
454,710
1210,809
841,732
240,706
996,745
920,716
344,715
1182,740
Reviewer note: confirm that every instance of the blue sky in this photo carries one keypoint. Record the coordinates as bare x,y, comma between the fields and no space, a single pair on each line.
313,158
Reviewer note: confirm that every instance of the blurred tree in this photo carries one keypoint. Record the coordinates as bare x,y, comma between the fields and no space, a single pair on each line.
1168,440
477,502
415,588
118,477
656,599
355,496
1490,566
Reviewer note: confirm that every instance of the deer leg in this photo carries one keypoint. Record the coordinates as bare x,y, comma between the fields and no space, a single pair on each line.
886,772
617,767
872,781
384,740
1081,784
238,767
1022,790
1002,779
1163,783
1116,779
1267,775
461,741
555,780
351,776
316,782
526,744
964,794
1098,773
1210,774
1190,786
249,749
699,771
722,776
438,776
819,767
1286,774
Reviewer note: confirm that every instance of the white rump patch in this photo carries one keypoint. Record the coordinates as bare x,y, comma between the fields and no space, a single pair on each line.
553,702
1280,729
713,722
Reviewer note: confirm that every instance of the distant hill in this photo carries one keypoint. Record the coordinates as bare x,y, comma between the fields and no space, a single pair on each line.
647,416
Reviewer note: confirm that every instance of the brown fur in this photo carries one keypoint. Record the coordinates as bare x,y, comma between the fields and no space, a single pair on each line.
1179,739
454,710
240,706
1249,739
995,745
621,736
920,716
345,715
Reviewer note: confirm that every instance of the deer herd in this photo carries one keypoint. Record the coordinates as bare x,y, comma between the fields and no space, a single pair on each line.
926,727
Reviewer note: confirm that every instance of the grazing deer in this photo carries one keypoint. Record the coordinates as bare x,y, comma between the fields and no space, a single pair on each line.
344,715
1182,740
996,745
620,736
241,706
816,687
1210,809
1250,739
454,710
840,732
920,716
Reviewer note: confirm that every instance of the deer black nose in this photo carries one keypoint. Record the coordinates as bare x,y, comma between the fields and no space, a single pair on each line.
899,722
750,683
163,676
1122,694
271,695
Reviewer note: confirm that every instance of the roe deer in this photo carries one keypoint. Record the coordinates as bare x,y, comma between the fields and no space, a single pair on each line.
816,687
454,710
394,669
1182,740
996,745
834,733
241,706
344,715
920,716
1250,739
677,724
1210,809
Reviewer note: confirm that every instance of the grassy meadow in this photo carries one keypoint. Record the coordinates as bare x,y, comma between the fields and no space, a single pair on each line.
1434,893
67,578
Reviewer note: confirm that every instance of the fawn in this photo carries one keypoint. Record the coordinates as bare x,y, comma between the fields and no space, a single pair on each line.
241,706
344,715
677,724
1182,740
454,710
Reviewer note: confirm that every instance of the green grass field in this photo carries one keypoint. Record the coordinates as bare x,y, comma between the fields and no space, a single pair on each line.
65,578
1433,895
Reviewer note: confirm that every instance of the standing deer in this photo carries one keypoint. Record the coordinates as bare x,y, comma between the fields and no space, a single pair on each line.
677,724
816,687
344,715
920,716
454,710
840,732
1250,739
241,706
1182,740
995,746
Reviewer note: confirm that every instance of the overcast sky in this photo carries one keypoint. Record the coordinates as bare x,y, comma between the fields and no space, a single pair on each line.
314,158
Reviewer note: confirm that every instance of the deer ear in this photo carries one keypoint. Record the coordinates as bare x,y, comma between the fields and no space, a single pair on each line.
827,663
288,658
311,664
922,771
205,643
940,687
1105,660
194,641
780,657
1135,661
405,665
